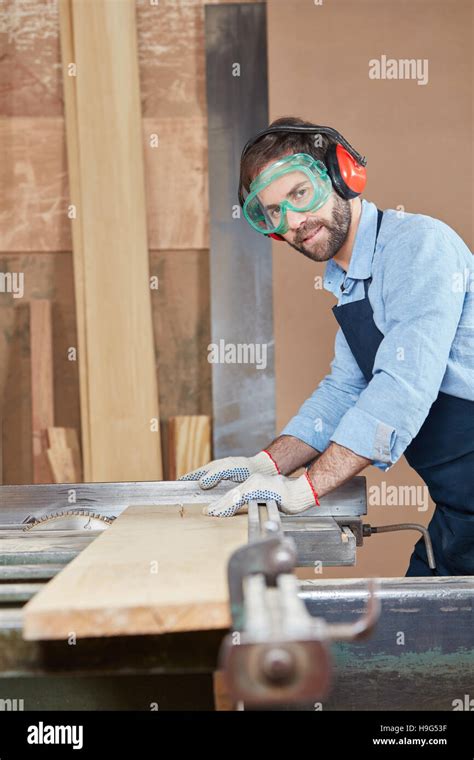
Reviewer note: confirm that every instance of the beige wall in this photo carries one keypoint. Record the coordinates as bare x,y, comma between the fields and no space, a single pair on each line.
418,140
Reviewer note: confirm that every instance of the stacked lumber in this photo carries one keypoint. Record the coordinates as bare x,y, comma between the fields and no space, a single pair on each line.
189,443
64,455
118,385
42,393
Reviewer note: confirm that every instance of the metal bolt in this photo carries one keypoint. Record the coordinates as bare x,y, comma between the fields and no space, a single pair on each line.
270,526
278,665
283,559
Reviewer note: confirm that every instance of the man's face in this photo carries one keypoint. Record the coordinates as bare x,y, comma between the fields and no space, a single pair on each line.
318,235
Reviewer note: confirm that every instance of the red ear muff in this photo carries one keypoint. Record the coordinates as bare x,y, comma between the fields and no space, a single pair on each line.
347,175
276,237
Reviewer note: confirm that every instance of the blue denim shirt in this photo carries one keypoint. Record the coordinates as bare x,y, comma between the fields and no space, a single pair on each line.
422,296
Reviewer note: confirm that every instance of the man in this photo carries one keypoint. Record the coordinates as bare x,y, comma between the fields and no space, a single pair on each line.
402,379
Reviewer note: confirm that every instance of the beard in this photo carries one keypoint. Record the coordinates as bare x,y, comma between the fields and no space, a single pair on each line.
331,238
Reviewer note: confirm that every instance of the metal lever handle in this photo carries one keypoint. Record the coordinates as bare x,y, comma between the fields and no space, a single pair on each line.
368,530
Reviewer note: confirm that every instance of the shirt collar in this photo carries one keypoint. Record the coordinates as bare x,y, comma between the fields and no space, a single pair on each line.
360,265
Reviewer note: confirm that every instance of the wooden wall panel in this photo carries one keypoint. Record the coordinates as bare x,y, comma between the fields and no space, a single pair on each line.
35,194
176,183
181,323
45,277
182,331
17,452
30,72
34,171
171,57
33,185
171,50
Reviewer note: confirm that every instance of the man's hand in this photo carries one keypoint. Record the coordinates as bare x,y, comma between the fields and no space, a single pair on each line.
291,494
237,469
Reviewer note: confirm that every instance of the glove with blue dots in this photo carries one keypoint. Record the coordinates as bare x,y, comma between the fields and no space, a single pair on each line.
291,494
233,468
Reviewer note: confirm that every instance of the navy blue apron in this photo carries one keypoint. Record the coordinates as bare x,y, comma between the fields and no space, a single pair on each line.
442,452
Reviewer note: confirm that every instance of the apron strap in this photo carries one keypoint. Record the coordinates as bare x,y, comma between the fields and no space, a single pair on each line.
379,223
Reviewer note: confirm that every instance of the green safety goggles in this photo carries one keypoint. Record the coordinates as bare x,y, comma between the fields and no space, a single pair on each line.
297,182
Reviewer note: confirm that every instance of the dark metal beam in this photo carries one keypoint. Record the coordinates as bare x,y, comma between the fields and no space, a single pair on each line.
241,265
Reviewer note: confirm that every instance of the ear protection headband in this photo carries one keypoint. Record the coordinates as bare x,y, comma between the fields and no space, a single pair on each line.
345,165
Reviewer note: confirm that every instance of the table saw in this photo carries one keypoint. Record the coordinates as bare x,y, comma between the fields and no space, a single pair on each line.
408,644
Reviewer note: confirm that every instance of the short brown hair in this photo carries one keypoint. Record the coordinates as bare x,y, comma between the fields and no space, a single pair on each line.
274,146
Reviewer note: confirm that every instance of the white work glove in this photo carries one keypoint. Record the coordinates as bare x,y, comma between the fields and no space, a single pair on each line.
232,468
291,494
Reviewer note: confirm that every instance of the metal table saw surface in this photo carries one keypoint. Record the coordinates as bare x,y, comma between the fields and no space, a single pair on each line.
420,657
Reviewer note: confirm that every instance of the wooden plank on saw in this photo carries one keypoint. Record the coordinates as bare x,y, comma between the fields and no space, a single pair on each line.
157,569
243,389
42,390
114,304
189,443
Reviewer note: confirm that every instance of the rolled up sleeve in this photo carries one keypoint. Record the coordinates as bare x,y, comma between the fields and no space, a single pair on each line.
321,413
422,311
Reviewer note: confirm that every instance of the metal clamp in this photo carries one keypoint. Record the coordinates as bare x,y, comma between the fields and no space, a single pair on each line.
278,652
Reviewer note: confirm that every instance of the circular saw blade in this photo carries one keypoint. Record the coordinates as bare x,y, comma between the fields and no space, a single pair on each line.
73,519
